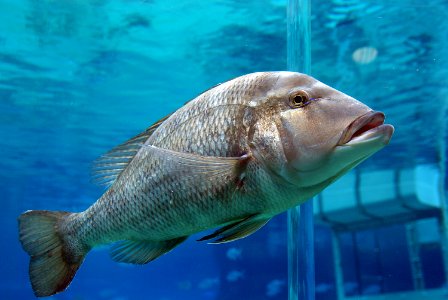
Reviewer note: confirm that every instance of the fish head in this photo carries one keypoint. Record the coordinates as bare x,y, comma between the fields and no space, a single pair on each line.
324,132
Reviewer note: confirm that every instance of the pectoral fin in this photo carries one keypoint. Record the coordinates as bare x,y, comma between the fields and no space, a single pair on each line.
237,230
176,164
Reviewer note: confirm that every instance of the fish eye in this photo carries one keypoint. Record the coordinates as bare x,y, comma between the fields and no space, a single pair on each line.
299,99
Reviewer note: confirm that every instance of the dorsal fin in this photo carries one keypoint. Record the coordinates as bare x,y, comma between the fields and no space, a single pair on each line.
109,166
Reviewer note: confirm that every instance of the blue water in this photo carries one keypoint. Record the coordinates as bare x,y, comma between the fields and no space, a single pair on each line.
79,77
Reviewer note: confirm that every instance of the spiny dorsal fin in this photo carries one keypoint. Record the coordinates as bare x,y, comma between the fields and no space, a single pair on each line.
174,164
109,166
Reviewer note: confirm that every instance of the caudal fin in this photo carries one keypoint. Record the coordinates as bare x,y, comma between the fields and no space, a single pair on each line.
52,263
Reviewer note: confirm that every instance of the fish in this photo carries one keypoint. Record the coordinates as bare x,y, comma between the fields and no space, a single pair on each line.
230,159
234,253
274,287
234,275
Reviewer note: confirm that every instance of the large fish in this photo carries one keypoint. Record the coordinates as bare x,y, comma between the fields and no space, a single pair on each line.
233,157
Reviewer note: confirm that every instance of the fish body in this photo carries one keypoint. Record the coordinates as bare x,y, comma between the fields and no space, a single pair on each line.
233,157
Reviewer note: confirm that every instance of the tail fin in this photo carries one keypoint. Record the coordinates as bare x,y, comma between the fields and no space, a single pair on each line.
53,264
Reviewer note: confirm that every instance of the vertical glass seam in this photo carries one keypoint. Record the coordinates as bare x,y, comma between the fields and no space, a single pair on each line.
300,219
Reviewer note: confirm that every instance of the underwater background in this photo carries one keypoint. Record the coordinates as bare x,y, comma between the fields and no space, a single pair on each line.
79,77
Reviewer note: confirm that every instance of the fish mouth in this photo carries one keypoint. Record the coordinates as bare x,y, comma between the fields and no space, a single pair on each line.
367,127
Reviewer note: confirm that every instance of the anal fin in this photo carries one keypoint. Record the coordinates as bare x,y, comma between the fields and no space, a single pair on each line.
142,252
237,230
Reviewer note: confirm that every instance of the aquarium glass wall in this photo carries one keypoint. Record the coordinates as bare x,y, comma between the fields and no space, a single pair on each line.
80,77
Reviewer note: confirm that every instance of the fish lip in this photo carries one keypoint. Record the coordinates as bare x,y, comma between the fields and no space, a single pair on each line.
365,127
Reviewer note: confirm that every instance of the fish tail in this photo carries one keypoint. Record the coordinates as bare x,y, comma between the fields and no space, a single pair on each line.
53,260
